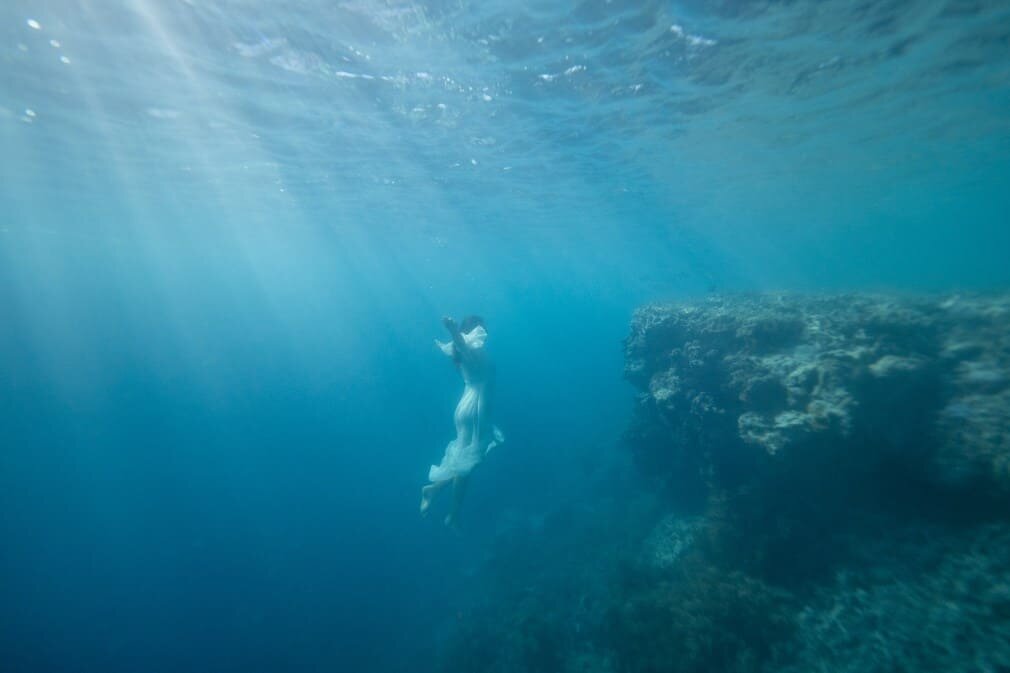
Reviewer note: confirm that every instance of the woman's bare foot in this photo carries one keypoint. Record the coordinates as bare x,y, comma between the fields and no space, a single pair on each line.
427,495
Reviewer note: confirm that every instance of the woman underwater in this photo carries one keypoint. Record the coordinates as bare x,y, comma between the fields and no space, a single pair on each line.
475,432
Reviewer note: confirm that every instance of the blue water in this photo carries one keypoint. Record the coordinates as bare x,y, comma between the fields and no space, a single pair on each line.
229,230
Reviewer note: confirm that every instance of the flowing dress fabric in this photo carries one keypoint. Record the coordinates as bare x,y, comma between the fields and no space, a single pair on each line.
475,433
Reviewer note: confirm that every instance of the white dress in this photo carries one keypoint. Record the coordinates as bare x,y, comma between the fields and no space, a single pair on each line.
475,433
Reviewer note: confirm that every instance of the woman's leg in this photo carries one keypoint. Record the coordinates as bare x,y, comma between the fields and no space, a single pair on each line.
458,491
428,494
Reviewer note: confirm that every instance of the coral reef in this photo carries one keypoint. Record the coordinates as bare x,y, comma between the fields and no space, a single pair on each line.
941,602
919,381
824,486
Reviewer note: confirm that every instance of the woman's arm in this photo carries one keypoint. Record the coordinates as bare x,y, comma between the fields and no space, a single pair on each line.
457,337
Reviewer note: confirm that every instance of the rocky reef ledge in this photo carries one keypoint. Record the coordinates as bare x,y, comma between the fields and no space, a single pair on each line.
823,484
744,385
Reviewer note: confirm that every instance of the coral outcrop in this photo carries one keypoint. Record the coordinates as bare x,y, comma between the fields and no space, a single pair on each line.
824,486
859,380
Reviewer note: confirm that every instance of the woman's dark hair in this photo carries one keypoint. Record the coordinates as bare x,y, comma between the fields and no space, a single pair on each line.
469,322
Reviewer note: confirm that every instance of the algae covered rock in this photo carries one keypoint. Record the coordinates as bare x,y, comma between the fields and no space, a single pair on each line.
941,602
847,459
859,381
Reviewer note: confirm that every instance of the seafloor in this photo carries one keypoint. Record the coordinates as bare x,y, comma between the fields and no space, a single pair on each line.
820,483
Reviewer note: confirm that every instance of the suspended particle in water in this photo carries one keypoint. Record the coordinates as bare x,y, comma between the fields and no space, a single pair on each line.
33,24
29,112
55,43
64,59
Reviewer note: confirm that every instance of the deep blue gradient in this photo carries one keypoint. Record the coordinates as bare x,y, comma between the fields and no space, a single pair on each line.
228,231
